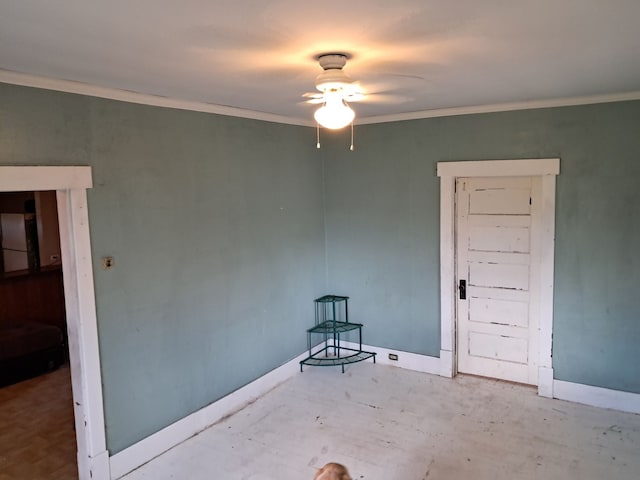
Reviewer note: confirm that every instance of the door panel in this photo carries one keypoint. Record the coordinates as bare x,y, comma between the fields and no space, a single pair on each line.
501,312
498,275
488,198
490,346
499,233
497,336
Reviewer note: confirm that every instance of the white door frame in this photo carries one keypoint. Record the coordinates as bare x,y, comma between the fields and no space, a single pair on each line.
547,169
71,184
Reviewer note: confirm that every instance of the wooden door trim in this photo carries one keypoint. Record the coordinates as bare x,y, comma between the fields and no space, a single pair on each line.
547,169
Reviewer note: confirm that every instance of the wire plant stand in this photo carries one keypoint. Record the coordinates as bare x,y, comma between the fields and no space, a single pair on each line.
332,321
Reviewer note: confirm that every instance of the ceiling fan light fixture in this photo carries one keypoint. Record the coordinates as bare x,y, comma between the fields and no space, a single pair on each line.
333,80
333,76
335,113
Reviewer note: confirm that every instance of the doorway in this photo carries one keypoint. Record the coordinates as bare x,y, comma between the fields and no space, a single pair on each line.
70,184
36,408
498,346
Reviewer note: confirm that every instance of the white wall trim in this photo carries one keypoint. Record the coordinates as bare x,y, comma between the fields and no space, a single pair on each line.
502,107
447,363
447,275
71,184
545,382
547,256
500,168
547,168
406,360
80,88
597,396
147,449
14,179
69,86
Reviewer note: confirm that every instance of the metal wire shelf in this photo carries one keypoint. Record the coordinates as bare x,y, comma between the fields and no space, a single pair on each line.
328,309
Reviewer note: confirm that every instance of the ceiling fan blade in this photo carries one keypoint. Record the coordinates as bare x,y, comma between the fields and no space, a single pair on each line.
313,98
354,97
385,98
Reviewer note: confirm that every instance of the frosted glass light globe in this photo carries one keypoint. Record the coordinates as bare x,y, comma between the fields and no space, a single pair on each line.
335,113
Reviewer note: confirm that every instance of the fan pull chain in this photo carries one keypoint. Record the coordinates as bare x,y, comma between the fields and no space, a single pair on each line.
318,136
351,148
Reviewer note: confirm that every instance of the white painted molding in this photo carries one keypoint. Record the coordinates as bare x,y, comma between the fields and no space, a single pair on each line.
145,450
82,331
447,363
597,396
447,275
80,88
99,466
500,168
547,268
406,360
14,179
547,169
545,382
502,107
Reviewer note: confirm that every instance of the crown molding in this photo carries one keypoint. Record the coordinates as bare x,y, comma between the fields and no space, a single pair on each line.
503,107
80,88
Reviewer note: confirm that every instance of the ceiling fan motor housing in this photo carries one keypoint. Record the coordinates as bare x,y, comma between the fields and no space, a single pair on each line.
333,77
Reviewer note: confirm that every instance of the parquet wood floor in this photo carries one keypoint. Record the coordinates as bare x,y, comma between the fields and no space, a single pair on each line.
37,437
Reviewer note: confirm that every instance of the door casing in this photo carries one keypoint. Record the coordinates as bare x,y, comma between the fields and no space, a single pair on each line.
71,184
547,169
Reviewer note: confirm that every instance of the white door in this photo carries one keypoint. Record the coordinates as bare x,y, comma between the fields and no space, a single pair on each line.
497,262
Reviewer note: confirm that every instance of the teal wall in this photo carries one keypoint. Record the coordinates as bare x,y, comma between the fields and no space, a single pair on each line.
382,227
216,227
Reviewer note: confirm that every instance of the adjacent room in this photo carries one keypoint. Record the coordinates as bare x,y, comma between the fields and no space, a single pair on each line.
256,200
36,409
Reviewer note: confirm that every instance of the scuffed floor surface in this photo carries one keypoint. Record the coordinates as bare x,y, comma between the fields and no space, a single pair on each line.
387,423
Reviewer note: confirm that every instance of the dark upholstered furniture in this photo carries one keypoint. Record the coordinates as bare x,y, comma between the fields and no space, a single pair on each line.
29,349
32,323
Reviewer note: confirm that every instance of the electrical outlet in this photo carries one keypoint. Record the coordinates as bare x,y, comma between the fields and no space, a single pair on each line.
107,263
393,356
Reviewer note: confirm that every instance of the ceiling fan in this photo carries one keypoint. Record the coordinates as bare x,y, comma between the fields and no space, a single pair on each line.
336,89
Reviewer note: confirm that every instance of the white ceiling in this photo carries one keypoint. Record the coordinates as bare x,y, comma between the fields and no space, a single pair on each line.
260,55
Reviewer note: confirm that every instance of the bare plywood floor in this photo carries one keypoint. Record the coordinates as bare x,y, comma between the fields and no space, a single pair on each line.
37,439
386,423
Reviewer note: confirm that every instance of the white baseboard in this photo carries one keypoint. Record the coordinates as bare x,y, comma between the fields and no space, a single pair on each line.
147,449
410,361
597,396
